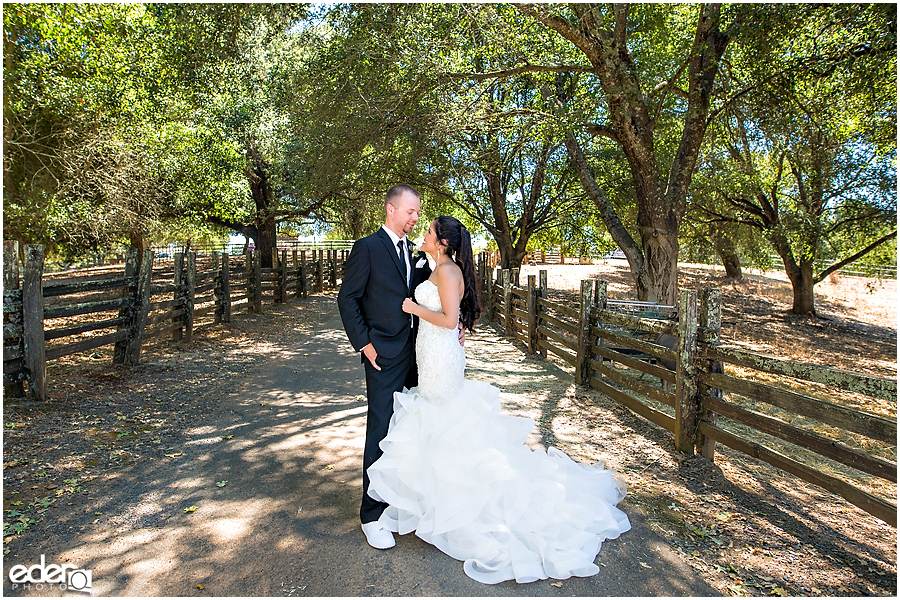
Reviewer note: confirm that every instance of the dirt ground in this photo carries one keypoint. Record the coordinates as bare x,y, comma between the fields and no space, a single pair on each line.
746,528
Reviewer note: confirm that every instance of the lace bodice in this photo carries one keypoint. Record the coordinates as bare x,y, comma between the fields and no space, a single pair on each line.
440,359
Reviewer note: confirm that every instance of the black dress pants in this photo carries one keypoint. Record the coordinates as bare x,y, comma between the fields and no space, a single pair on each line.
380,387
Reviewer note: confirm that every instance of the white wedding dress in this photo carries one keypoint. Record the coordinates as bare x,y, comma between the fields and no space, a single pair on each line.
457,472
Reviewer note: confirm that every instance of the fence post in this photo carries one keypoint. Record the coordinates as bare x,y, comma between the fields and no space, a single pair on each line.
320,272
217,287
600,294
284,272
33,321
710,318
479,268
10,286
282,277
333,258
583,368
178,282
248,265
223,291
190,279
128,351
304,293
515,277
542,293
600,302
276,277
507,302
488,292
296,263
257,281
226,287
531,306
10,266
686,409
132,255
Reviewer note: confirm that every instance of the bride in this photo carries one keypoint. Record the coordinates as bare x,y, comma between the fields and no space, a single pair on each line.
456,470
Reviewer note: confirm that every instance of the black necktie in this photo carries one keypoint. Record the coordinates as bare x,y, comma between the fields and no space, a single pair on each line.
404,259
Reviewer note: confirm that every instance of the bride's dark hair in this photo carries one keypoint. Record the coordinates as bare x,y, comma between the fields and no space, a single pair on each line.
459,247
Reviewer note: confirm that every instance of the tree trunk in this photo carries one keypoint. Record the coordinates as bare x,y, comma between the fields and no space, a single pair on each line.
355,218
661,265
732,265
261,192
266,242
800,275
511,257
661,196
500,229
804,297
728,254
137,240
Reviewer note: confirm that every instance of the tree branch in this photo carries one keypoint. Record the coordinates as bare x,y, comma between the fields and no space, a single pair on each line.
850,259
516,71
607,211
621,29
669,85
605,131
560,25
872,214
745,205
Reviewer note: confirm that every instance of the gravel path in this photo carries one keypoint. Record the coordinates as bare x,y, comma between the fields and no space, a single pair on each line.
248,484
259,426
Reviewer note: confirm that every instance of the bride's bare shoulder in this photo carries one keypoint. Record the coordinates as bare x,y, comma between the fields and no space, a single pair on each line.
448,271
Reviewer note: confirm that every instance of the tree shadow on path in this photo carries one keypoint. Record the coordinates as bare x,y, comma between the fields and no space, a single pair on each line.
274,472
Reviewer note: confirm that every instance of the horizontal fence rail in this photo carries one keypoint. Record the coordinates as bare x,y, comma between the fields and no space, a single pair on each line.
666,364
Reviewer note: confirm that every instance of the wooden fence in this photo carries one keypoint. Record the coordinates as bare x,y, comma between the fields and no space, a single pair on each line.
684,390
46,317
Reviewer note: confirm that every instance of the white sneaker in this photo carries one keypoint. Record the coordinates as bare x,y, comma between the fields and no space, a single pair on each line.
378,536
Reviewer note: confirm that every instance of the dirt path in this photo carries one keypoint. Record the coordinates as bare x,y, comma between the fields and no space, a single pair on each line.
225,470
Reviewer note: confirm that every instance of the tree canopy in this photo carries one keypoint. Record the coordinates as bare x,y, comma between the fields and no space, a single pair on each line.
731,128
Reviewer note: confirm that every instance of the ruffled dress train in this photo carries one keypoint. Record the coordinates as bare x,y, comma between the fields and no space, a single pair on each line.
458,473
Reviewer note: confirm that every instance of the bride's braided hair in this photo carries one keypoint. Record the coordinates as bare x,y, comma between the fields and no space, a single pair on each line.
459,248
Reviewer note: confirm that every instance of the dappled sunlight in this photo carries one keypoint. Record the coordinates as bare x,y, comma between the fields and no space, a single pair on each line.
286,478
202,430
264,492
229,529
141,561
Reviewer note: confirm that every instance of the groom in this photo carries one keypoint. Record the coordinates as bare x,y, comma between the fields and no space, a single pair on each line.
380,273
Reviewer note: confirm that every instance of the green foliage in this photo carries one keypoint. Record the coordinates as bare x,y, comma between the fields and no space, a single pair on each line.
68,86
130,122
808,159
107,136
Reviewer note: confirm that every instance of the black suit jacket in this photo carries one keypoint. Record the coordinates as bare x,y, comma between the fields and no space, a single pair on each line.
372,293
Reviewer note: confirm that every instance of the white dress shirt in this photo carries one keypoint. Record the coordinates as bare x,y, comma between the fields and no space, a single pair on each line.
405,255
